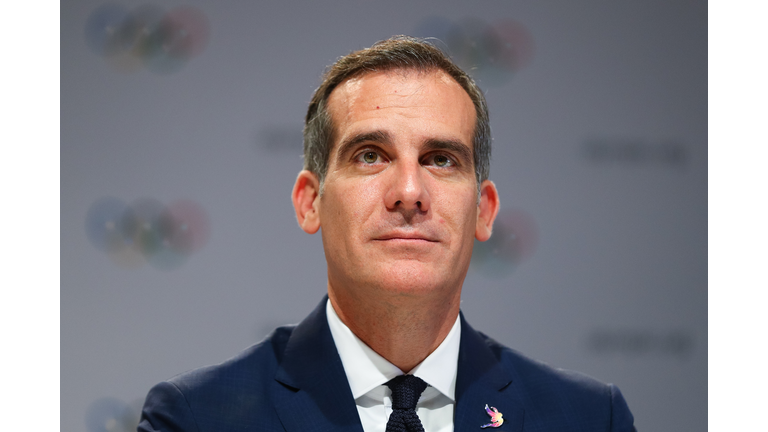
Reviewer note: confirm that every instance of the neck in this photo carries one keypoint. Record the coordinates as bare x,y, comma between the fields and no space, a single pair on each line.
403,329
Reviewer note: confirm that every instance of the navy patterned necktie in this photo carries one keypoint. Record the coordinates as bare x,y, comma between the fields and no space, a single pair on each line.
406,390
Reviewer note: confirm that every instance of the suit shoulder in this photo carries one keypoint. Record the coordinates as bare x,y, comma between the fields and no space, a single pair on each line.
231,389
252,365
554,392
538,373
232,395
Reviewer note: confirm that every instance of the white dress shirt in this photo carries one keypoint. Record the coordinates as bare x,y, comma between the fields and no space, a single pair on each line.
368,372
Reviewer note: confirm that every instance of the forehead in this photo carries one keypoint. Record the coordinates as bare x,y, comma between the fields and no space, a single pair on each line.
429,103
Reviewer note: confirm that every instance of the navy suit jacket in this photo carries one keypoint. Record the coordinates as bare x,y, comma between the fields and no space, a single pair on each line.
294,381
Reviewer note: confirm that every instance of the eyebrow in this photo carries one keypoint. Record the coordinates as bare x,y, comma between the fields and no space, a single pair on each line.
450,145
349,144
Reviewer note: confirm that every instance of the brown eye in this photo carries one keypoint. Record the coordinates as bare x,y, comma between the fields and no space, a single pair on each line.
370,157
441,160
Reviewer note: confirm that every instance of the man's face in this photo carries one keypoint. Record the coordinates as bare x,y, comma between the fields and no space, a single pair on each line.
398,210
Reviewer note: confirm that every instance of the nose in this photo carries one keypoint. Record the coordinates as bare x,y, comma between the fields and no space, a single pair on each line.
407,190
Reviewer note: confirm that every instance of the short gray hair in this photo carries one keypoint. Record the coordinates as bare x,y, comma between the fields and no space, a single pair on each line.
398,52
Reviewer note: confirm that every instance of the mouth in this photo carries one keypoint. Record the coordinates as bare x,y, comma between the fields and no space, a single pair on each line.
406,237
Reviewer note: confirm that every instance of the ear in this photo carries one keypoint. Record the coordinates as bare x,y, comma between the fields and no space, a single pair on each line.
305,197
486,210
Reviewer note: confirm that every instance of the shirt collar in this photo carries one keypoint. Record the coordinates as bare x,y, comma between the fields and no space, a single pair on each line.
366,369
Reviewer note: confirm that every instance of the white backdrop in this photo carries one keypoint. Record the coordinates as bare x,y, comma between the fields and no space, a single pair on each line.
181,138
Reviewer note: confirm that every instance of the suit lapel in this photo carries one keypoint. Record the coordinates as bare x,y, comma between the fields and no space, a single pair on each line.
482,380
311,391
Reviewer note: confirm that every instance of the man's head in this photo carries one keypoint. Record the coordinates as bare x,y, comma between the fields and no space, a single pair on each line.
401,204
399,52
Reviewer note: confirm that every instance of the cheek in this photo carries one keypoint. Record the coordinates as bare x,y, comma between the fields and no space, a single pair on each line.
351,204
367,193
455,210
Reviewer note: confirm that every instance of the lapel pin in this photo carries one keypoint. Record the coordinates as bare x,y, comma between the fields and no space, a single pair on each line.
496,419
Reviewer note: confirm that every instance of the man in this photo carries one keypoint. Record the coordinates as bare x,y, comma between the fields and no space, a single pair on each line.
397,150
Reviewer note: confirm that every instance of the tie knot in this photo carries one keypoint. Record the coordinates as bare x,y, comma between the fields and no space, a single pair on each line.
406,390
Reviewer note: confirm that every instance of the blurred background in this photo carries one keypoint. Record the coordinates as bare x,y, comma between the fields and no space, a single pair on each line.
181,138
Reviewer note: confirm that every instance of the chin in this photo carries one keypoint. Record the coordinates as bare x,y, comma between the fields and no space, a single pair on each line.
414,279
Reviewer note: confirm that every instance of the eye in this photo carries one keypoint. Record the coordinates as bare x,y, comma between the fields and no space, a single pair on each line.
440,160
369,157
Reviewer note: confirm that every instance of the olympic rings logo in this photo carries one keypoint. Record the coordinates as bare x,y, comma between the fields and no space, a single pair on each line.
146,231
492,52
148,36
